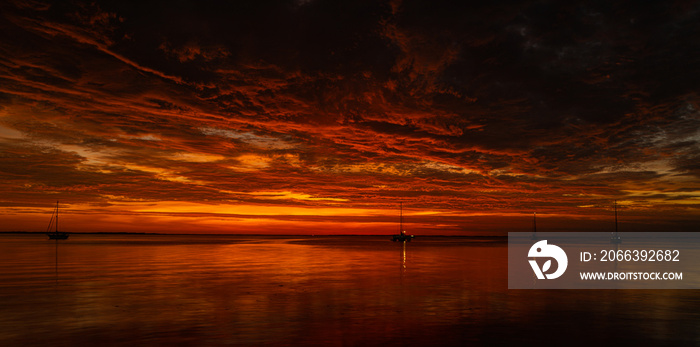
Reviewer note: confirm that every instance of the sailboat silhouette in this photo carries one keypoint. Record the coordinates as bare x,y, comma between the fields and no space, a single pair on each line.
401,236
615,237
55,235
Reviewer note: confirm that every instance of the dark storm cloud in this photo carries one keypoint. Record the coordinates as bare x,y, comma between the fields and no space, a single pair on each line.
456,105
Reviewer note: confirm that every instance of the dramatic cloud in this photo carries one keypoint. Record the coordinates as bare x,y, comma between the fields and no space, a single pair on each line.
321,116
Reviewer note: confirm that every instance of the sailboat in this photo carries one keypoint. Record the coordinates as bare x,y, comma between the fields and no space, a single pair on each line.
55,235
401,236
615,237
534,226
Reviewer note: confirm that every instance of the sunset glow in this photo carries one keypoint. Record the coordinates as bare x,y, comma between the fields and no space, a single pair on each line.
314,117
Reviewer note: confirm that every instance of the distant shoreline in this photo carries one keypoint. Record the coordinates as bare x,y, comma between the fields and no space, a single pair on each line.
268,235
82,233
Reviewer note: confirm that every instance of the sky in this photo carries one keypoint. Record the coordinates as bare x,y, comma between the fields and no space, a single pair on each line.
323,117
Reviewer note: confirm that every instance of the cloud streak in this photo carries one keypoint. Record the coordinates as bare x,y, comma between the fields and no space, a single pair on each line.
478,112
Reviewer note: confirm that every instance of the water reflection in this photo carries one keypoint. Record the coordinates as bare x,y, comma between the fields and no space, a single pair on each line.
56,260
403,256
617,248
300,291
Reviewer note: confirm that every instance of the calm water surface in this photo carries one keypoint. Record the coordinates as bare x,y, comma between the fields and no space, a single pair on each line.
228,290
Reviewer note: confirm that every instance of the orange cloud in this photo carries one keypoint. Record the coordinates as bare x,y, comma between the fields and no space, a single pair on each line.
290,123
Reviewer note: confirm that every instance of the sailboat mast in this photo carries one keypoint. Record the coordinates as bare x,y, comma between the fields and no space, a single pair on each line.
615,208
57,216
401,218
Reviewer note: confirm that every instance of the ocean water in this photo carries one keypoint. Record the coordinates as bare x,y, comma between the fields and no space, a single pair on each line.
338,291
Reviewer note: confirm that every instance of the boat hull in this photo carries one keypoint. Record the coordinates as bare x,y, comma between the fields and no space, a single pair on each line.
58,236
402,238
